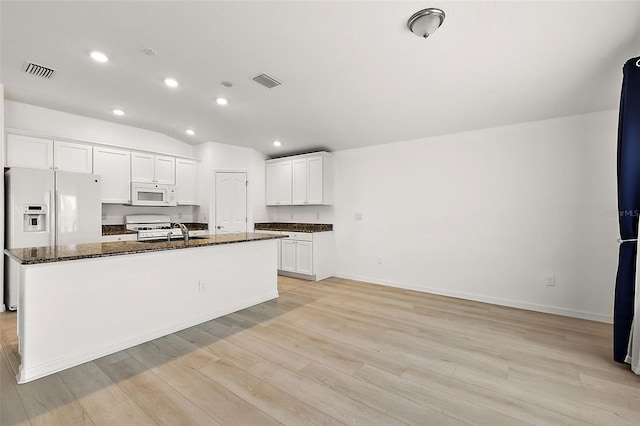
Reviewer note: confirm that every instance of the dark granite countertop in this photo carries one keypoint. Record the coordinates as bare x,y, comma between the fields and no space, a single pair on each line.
115,230
293,227
120,229
35,255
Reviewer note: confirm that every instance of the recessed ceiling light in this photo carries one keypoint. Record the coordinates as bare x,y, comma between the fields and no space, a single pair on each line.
277,143
170,82
149,51
118,112
190,132
99,56
222,101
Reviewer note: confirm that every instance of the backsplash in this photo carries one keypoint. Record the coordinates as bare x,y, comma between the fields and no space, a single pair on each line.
113,214
300,214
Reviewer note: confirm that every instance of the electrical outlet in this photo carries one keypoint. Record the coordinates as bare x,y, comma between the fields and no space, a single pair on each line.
551,280
358,216
379,260
202,286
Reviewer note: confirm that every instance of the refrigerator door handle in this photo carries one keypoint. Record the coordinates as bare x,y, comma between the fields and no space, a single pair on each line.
52,218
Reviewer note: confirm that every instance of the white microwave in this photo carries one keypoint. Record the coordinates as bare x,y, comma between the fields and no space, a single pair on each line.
152,194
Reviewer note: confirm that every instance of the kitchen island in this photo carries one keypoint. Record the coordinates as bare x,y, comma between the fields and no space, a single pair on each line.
79,302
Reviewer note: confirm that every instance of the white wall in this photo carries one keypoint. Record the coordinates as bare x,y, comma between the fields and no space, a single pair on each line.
71,126
305,214
221,157
488,214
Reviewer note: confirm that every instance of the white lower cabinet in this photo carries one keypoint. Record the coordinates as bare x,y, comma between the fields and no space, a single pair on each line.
287,256
306,255
297,253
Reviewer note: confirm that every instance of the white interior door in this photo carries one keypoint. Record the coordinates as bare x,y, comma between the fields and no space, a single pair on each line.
231,202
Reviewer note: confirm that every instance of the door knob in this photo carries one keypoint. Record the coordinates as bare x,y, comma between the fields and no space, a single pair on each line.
219,227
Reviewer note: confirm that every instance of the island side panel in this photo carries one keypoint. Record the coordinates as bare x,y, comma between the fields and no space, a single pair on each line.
76,311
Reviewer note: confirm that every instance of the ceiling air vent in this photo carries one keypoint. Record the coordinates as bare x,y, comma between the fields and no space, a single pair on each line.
267,81
38,70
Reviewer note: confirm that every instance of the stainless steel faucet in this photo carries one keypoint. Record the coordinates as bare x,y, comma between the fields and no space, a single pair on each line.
185,231
169,234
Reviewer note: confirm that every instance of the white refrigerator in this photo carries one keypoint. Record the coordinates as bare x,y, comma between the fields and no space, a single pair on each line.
48,208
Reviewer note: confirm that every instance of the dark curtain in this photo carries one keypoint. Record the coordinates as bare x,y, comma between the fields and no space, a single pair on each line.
628,205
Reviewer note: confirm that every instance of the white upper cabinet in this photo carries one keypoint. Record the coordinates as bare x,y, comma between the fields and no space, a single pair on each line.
186,182
299,181
152,168
278,183
47,154
117,167
165,168
29,151
142,167
272,184
73,157
114,165
319,180
309,179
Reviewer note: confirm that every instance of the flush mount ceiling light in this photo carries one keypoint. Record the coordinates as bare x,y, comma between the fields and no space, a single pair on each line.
170,82
99,56
277,143
190,132
221,101
118,112
426,22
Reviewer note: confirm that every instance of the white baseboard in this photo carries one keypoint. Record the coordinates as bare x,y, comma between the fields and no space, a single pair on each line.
42,370
557,310
297,275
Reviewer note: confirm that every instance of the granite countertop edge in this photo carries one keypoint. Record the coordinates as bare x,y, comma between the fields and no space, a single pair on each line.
293,227
42,255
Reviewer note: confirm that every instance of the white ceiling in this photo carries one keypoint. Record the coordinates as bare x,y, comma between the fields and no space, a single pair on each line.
353,74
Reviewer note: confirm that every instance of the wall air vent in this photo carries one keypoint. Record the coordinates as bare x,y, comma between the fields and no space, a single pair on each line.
267,81
38,70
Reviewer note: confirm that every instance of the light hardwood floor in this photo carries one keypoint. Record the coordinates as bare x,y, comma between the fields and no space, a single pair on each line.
343,352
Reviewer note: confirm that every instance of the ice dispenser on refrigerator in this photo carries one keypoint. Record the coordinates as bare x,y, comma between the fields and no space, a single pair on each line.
35,218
